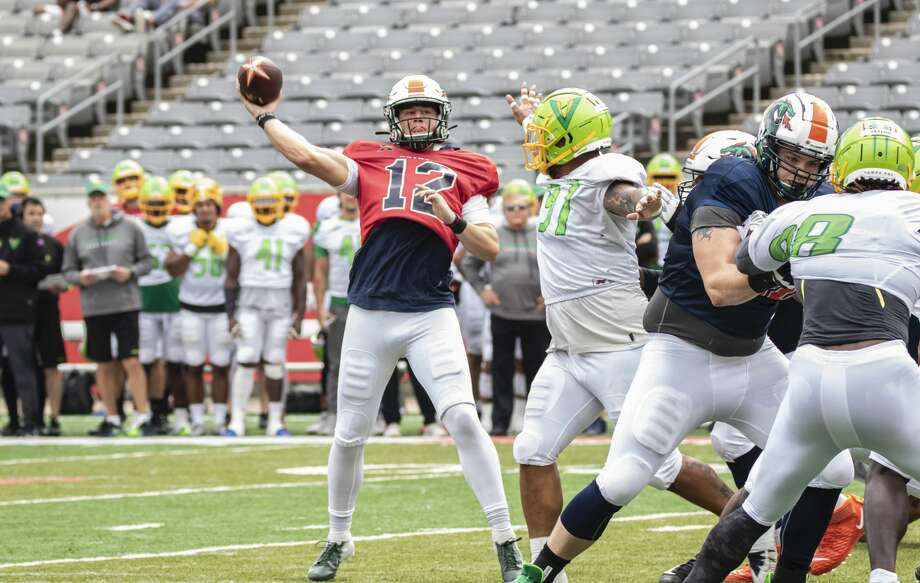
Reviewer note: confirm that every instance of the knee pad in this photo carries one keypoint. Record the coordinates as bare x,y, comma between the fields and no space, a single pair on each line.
837,474
623,478
667,473
587,514
462,422
657,420
528,450
351,428
274,372
355,376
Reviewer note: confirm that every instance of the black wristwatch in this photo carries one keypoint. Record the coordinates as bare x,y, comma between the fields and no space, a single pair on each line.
263,118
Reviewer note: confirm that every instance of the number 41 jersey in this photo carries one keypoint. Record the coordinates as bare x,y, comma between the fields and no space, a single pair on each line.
266,253
389,175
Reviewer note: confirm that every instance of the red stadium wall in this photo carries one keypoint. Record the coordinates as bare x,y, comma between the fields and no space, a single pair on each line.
298,350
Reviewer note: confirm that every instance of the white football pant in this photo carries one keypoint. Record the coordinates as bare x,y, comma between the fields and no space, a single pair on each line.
205,335
160,337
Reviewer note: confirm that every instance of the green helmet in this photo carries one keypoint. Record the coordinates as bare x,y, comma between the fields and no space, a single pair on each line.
570,122
124,171
288,186
665,170
182,183
874,149
915,183
518,186
16,183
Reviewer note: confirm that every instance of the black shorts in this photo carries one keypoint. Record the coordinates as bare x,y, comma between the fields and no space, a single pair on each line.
99,332
49,342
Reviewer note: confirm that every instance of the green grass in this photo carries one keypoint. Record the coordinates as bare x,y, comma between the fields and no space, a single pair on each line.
256,509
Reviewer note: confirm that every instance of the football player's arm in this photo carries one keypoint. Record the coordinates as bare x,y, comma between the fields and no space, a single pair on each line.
481,240
755,255
625,199
328,165
177,263
232,286
299,288
476,231
715,240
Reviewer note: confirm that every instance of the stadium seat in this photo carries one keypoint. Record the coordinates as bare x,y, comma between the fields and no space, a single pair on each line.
852,74
903,96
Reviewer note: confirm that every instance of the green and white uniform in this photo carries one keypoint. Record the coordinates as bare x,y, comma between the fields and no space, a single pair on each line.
160,335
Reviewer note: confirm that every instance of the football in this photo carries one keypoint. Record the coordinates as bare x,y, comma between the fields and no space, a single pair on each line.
260,80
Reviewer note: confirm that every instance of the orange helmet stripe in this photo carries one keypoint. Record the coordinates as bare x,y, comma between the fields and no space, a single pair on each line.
818,130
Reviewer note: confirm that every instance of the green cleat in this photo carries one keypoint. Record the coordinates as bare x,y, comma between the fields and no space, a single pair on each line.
510,560
327,564
530,574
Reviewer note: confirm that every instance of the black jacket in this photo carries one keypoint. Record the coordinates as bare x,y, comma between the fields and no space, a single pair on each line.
52,253
18,288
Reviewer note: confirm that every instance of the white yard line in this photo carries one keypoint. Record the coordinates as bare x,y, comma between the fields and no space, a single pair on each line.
680,528
129,527
135,455
658,516
254,546
218,442
210,490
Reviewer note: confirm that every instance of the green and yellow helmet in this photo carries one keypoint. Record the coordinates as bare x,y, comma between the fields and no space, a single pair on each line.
665,170
915,183
288,187
874,150
266,200
16,183
127,179
520,187
182,183
208,189
155,200
570,122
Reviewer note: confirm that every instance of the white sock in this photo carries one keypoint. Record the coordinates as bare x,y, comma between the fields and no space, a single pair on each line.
275,410
882,576
242,390
481,468
181,416
765,542
197,410
346,472
220,413
841,500
113,419
140,419
536,545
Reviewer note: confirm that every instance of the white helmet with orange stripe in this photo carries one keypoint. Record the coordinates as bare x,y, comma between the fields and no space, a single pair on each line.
796,143
418,90
712,147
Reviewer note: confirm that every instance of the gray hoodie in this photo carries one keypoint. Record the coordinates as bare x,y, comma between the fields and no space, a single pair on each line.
514,275
118,242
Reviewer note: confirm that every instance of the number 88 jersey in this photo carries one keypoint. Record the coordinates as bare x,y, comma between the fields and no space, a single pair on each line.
584,250
266,252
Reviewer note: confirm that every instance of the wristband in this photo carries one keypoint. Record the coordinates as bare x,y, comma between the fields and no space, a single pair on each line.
263,118
458,226
762,282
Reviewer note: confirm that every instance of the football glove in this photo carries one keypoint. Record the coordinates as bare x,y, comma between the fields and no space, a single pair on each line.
218,244
775,285
196,240
752,223
670,202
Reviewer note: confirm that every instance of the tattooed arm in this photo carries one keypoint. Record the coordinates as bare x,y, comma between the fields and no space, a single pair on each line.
715,242
623,199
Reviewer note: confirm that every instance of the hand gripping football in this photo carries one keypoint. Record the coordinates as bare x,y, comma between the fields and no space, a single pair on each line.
260,80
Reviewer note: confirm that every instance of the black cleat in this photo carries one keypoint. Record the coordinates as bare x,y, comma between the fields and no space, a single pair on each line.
105,429
917,574
10,429
677,574
53,428
263,420
29,431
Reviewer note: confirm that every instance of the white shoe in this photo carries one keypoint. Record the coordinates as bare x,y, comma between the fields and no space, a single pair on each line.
315,427
379,426
434,430
392,430
328,427
218,429
197,430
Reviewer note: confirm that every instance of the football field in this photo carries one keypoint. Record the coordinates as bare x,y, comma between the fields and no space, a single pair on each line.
212,509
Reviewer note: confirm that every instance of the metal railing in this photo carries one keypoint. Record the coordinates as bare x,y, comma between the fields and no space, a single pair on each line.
87,73
729,54
857,11
625,119
160,60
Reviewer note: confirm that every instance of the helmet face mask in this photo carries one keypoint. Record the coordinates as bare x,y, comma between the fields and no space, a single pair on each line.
568,123
417,90
266,200
796,143
182,183
127,180
155,201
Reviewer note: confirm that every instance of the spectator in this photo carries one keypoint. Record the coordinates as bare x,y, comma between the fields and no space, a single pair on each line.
144,15
20,271
18,186
105,255
511,291
49,343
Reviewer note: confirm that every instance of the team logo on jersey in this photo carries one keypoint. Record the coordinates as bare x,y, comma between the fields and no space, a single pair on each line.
14,243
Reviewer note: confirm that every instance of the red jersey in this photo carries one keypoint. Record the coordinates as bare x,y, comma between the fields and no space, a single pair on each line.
388,175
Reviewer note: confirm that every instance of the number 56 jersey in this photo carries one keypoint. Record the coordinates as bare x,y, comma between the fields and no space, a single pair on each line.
266,252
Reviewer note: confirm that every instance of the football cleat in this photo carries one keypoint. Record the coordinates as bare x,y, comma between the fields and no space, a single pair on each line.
392,430
314,428
842,534
279,432
677,574
325,567
197,430
229,432
509,560
105,429
434,430
530,574
145,429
